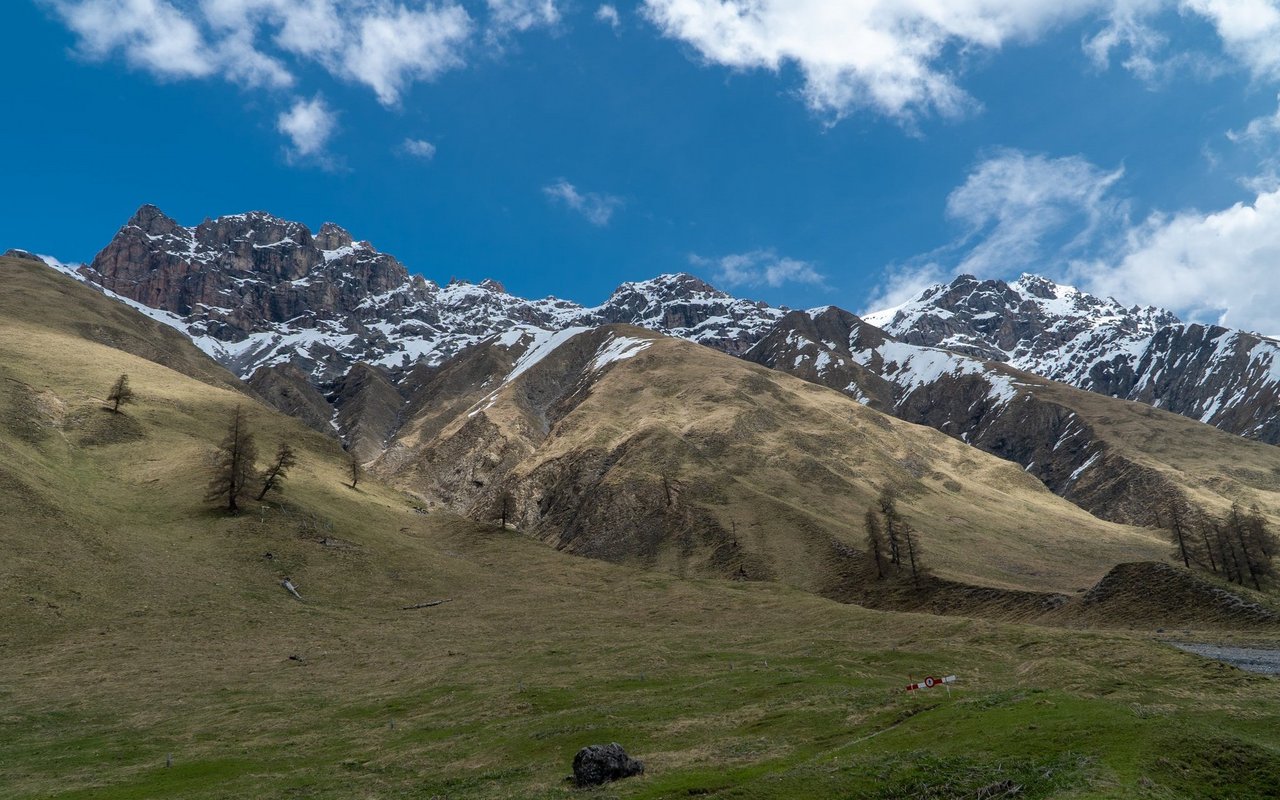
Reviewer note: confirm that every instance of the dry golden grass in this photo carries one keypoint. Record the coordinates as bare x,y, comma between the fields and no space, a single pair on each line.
136,623
1213,467
794,466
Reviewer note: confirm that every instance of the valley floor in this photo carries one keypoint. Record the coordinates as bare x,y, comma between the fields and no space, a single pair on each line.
724,689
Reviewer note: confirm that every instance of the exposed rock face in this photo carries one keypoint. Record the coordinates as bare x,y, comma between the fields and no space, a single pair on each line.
367,411
1229,379
287,388
623,445
598,764
259,292
684,306
254,290
1014,415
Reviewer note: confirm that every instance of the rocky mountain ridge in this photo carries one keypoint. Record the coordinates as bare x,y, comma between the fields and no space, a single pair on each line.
1227,378
332,331
254,291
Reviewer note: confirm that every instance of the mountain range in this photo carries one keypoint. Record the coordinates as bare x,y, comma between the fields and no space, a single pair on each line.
154,648
344,337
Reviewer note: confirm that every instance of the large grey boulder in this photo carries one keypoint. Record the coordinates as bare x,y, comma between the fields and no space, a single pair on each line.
598,764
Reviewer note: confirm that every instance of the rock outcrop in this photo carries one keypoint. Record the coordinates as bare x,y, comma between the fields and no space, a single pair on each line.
1228,379
598,764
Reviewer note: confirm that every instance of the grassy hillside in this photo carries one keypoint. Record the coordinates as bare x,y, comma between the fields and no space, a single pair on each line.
136,624
1212,467
695,462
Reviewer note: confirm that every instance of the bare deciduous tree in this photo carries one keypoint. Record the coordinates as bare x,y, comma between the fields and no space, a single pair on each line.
893,544
121,393
273,478
888,503
912,543
234,468
875,542
1180,532
356,471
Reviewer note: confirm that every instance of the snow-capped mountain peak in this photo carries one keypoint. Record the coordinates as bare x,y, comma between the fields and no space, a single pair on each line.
256,290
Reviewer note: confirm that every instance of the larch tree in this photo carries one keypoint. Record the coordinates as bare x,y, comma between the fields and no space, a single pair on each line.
121,394
875,542
888,503
1264,543
356,471
273,478
1180,532
234,467
911,541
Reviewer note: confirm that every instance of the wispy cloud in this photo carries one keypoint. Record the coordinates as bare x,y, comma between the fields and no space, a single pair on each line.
1258,130
521,15
419,148
309,125
609,15
381,45
1068,219
759,268
596,208
1015,206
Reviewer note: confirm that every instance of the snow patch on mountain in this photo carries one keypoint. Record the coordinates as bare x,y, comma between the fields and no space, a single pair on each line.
1230,379
618,348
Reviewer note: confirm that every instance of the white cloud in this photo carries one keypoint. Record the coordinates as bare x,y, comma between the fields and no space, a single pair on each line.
419,148
1258,130
153,34
901,57
521,15
309,124
1216,267
609,15
1065,218
391,50
1014,202
879,54
384,45
759,268
1249,29
1018,212
902,283
597,208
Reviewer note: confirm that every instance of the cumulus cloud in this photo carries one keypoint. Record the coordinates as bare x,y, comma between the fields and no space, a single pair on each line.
609,15
598,209
879,54
1249,29
759,268
1067,218
392,49
900,58
384,45
152,34
1209,267
419,148
309,124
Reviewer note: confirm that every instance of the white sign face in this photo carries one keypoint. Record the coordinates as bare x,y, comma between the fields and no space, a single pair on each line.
930,682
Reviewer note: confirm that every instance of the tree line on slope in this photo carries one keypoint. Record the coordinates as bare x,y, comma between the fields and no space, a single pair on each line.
1239,547
892,544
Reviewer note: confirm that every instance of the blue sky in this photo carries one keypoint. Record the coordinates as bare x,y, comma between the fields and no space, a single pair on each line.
802,152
